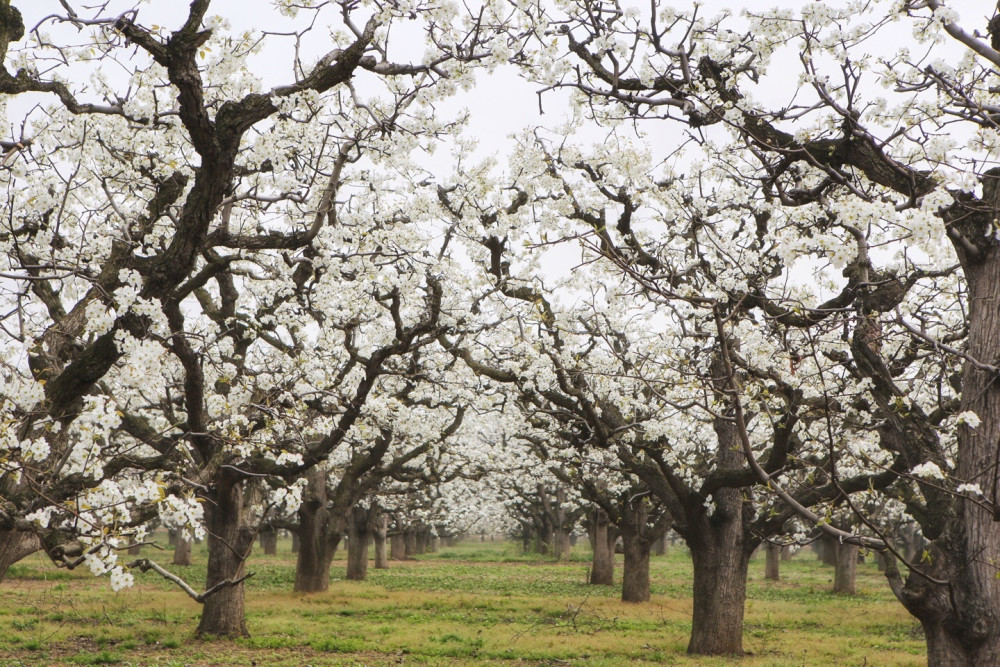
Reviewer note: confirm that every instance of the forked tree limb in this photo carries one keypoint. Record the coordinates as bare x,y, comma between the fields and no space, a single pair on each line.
144,565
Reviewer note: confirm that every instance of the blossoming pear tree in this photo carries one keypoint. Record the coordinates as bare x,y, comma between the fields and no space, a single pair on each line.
871,169
192,256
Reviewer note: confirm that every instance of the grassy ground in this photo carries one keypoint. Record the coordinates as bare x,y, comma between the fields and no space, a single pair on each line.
477,603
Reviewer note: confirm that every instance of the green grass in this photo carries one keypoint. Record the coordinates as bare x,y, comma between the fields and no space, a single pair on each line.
476,603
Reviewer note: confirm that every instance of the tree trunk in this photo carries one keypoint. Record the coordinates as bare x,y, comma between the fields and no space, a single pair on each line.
720,578
397,545
602,570
230,540
422,538
637,543
961,615
826,550
15,545
296,541
539,545
269,540
635,573
720,554
773,559
182,549
135,549
360,523
786,553
660,546
318,536
560,532
171,538
381,537
410,541
846,573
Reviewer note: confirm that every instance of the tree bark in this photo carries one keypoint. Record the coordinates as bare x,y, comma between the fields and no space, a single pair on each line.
381,537
296,541
826,550
560,532
637,543
563,547
319,534
720,576
961,614
602,570
771,566
786,554
397,543
269,540
720,552
15,545
635,572
660,546
846,573
182,549
410,541
230,540
359,531
422,539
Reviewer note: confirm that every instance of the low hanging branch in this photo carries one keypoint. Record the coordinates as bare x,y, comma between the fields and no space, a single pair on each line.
145,565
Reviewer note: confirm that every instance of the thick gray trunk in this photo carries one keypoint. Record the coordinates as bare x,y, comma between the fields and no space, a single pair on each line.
660,546
360,526
720,578
230,540
423,539
602,570
637,544
397,546
410,541
635,572
15,545
961,617
182,549
771,565
381,538
845,578
269,540
826,550
318,538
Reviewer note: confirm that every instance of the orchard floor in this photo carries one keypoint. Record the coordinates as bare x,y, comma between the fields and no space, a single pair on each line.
479,603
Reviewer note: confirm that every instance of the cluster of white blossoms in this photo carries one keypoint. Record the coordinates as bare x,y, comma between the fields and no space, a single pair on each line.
968,418
102,559
100,318
928,470
286,500
183,513
90,432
